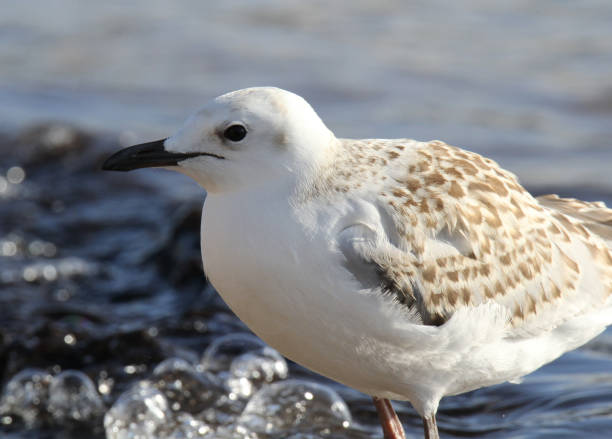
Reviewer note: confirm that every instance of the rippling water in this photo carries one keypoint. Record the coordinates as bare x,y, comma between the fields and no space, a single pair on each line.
106,322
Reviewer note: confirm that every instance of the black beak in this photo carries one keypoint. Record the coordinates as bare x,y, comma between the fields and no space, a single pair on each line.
148,155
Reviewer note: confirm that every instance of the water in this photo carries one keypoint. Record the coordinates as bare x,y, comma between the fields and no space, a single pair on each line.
105,317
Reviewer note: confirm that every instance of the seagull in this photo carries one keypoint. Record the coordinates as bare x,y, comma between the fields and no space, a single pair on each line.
407,270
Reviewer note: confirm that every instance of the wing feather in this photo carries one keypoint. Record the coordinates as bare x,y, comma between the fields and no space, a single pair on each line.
470,234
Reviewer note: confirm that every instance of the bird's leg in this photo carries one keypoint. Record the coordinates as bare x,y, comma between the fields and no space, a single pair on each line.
430,427
391,425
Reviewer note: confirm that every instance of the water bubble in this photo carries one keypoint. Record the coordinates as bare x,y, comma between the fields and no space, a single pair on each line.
8,248
71,267
104,387
187,427
57,135
105,383
70,339
49,250
73,397
49,272
221,352
284,406
36,247
26,395
224,411
42,248
138,413
184,387
39,271
250,371
173,364
62,295
234,432
132,369
30,273
15,175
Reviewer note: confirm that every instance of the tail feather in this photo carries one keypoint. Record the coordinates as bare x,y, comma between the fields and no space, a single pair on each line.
595,216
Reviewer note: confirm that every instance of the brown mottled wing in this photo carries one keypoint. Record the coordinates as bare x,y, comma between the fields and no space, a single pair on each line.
477,236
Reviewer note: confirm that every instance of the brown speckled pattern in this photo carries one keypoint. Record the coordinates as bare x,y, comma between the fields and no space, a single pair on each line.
520,246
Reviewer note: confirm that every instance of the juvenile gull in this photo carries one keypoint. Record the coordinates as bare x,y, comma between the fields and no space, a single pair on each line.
407,270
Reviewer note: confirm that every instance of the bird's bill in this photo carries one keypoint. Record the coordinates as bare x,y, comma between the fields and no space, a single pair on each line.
145,155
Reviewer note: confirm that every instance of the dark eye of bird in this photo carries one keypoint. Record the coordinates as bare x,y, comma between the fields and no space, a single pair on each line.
235,133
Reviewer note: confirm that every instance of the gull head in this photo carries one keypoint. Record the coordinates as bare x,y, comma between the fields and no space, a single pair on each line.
240,140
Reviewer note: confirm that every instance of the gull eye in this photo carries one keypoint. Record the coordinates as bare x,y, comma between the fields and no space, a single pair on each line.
235,133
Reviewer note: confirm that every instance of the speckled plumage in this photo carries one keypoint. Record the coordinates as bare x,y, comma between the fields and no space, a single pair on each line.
505,245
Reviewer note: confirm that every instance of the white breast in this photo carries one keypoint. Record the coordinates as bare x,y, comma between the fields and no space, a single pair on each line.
288,284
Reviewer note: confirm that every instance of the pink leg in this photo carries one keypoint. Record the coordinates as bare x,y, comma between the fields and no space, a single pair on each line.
391,425
431,428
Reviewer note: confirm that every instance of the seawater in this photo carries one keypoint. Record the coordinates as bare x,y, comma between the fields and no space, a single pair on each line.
100,274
